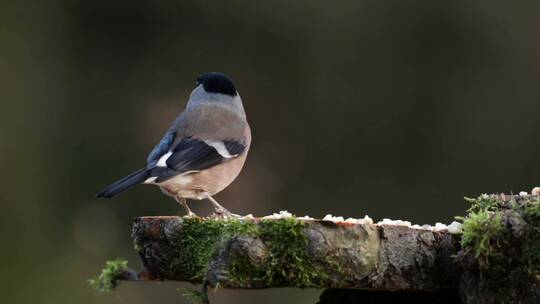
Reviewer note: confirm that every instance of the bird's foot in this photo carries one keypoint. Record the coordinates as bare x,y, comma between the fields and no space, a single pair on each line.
220,211
183,203
224,214
190,214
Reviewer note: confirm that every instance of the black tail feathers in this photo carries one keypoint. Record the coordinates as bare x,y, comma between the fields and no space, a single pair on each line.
129,181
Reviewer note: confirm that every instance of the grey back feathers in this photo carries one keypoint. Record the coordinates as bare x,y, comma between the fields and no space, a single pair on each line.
200,96
210,121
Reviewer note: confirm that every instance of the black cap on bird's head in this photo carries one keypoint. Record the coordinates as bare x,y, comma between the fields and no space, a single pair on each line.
215,82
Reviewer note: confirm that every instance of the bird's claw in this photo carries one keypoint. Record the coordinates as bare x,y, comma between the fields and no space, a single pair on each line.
224,214
190,215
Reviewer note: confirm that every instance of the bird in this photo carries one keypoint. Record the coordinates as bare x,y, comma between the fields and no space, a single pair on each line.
202,152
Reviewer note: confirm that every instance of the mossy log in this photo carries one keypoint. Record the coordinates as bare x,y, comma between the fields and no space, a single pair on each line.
264,253
496,259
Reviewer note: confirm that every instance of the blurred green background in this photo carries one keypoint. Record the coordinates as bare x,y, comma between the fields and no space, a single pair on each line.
393,109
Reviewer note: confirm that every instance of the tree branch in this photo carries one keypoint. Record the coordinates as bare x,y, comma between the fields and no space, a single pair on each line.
495,260
263,253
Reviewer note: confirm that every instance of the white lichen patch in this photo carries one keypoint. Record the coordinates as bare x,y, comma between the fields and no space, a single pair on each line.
455,228
367,220
390,222
351,221
331,218
440,227
248,217
385,221
276,216
423,227
403,223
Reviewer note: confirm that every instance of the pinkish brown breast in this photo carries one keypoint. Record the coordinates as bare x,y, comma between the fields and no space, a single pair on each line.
198,185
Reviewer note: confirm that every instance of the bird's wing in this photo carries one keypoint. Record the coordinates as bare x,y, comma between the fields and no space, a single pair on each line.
161,148
193,154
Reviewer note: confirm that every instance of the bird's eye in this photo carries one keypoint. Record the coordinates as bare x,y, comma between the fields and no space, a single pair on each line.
197,84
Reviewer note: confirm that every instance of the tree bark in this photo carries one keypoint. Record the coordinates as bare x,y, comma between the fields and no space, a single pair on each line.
339,255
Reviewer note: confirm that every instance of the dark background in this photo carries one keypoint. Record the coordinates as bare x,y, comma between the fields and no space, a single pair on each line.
393,109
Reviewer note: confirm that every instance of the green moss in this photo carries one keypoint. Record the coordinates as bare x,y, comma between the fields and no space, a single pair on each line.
484,203
108,279
483,233
532,210
288,261
501,247
504,235
199,239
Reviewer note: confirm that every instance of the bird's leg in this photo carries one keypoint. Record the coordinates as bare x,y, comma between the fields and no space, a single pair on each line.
220,210
182,201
